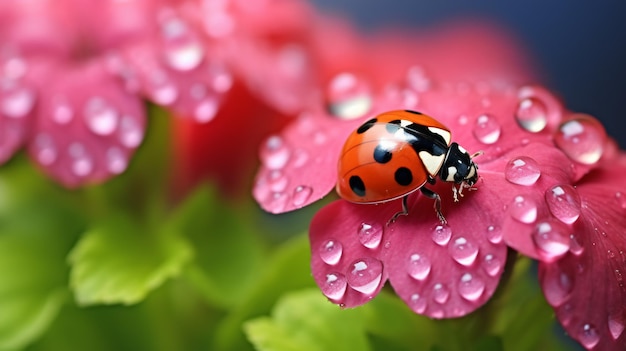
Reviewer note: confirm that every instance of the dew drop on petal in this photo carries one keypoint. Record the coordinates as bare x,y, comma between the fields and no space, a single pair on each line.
564,203
581,138
301,194
494,234
531,115
552,239
491,265
62,112
557,287
100,116
164,94
348,96
522,170
206,110
331,251
277,181
470,287
335,286
183,50
82,164
417,303
16,101
116,161
300,158
621,199
370,235
366,275
418,266
487,129
588,336
275,153
463,251
523,209
130,132
440,293
616,326
417,79
45,149
574,246
441,234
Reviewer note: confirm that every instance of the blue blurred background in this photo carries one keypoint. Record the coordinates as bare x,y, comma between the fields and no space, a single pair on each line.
579,45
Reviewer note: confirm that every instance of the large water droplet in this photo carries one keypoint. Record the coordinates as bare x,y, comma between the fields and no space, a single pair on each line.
522,170
551,238
81,164
440,293
331,251
130,132
557,286
16,101
366,275
588,336
335,286
100,116
370,235
348,96
463,251
183,50
45,149
532,115
441,234
616,325
418,266
581,138
116,160
470,287
275,153
417,303
524,210
487,129
491,265
564,203
301,195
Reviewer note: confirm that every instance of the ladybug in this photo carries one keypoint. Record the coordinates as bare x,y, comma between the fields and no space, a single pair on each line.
398,152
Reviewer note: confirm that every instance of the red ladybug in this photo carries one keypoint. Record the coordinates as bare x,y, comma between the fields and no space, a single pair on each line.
397,153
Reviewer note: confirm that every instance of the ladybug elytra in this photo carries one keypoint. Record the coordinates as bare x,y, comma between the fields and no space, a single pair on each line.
398,152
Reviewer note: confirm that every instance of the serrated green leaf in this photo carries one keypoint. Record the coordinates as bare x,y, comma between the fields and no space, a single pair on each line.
306,321
119,261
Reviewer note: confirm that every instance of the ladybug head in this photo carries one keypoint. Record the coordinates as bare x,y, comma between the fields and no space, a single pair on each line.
458,167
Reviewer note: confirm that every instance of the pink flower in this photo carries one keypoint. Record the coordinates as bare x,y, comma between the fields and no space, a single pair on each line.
547,188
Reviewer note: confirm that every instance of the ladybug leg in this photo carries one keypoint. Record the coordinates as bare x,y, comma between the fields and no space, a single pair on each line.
433,195
404,212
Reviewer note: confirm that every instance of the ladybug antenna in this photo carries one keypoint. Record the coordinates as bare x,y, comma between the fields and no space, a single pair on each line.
476,154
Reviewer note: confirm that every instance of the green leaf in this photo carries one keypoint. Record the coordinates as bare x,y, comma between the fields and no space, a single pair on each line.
229,250
306,321
120,261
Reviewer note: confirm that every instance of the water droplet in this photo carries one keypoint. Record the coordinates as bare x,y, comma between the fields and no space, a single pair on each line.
348,96
564,203
275,154
164,94
491,265
581,138
366,275
82,164
463,251
557,286
551,238
621,199
221,79
574,246
335,286
494,234
532,115
487,129
441,234
130,132
417,303
331,251
524,210
101,117
206,110
62,112
45,149
463,119
588,336
418,266
183,49
370,235
440,293
301,194
116,160
300,158
616,325
277,181
522,170
417,79
16,101
471,288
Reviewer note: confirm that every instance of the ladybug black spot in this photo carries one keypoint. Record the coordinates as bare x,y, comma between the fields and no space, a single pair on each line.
366,126
357,185
414,112
381,154
403,176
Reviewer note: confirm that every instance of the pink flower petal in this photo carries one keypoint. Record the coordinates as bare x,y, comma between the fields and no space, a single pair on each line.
586,286
347,242
88,128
